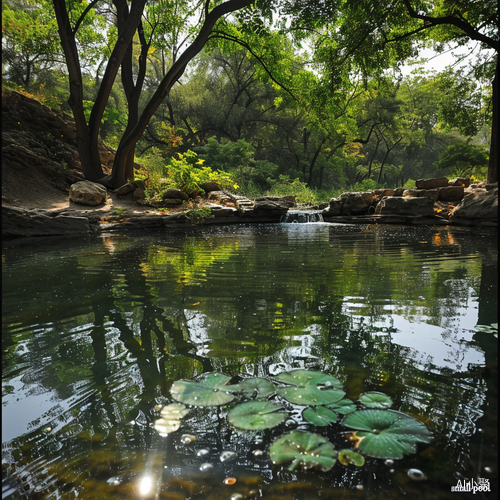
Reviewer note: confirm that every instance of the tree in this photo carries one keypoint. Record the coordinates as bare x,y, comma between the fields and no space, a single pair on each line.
70,16
371,35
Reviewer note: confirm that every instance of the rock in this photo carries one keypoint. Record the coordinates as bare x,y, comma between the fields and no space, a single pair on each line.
396,205
431,183
451,193
399,191
18,222
139,184
459,181
269,208
288,201
126,188
87,193
334,207
174,194
209,186
140,194
433,194
356,203
482,205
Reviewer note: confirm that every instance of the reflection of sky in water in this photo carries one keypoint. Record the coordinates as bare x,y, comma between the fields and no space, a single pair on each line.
445,346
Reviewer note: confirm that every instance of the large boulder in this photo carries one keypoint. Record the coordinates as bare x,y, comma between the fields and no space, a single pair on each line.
87,193
334,207
451,193
356,203
175,194
478,205
397,205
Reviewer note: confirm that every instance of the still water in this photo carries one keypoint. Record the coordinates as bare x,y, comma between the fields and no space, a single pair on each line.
95,332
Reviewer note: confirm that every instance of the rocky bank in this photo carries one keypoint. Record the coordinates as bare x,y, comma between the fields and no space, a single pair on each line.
44,192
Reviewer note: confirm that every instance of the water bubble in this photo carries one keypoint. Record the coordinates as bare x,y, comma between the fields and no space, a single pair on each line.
488,469
389,462
206,466
416,475
201,453
259,440
225,456
113,481
328,383
187,439
257,453
236,496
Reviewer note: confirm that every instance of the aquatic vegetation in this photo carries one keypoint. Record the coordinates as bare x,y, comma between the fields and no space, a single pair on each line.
310,388
378,431
375,400
386,433
256,415
208,390
493,328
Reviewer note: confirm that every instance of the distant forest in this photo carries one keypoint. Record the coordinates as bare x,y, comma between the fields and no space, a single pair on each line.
306,97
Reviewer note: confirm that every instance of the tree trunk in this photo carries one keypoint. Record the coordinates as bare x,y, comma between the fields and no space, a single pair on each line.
494,159
127,146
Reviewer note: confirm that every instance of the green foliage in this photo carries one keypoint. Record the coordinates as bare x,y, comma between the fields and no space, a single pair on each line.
284,186
463,159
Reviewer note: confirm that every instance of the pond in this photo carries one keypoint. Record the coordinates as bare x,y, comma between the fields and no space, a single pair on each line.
100,335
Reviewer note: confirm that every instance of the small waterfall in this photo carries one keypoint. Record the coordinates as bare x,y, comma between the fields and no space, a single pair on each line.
302,216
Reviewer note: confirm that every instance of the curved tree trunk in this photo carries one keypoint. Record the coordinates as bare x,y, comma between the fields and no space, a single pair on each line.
127,146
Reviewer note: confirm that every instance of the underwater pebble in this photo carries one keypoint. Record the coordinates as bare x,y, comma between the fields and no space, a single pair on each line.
257,453
229,480
225,456
389,462
360,487
236,496
202,453
114,481
488,469
187,438
416,475
206,466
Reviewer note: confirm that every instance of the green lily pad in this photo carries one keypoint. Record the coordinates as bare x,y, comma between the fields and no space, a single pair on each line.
386,433
260,388
374,399
256,415
320,415
209,390
310,388
344,406
303,448
170,420
348,457
493,328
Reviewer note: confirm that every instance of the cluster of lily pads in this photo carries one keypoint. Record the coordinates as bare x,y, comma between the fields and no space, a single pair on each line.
378,431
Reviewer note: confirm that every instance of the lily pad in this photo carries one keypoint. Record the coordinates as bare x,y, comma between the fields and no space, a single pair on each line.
256,415
320,415
260,388
344,406
493,328
310,388
170,420
375,400
348,457
209,390
386,433
303,448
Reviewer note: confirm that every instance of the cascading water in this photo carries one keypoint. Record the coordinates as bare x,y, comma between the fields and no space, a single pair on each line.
302,216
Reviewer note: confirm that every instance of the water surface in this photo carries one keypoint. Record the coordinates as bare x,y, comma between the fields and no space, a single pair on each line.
95,331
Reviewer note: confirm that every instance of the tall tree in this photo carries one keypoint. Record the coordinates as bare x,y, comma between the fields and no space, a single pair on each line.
129,24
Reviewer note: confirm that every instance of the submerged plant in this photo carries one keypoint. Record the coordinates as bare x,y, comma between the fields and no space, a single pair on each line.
303,448
209,390
386,433
256,415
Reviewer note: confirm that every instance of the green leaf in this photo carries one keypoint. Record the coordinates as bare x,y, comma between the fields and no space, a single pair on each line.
386,433
170,420
209,390
375,400
256,415
348,457
320,415
310,388
344,406
303,448
260,388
